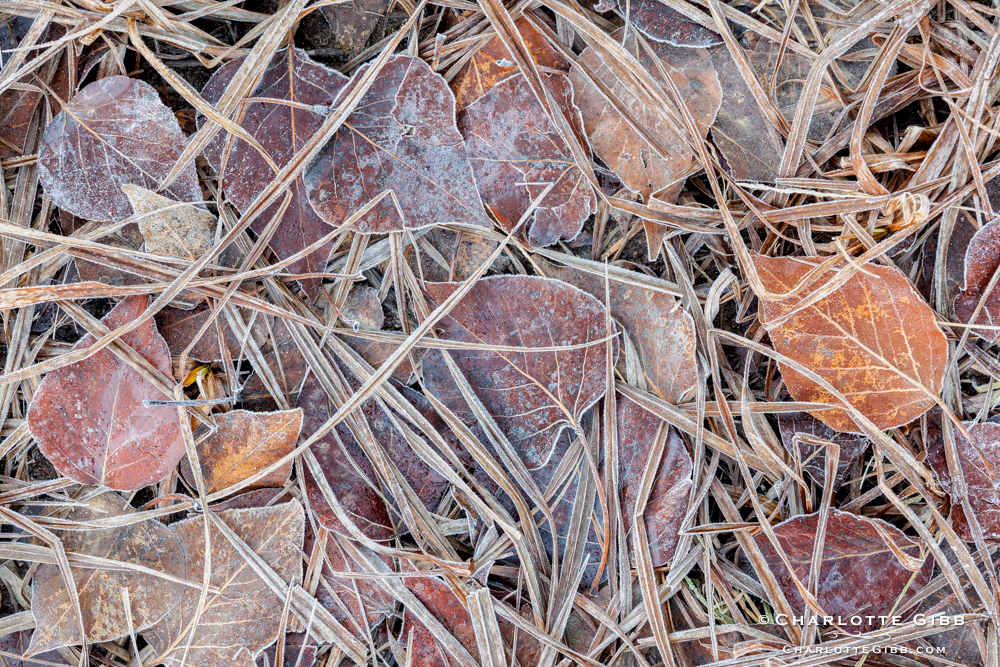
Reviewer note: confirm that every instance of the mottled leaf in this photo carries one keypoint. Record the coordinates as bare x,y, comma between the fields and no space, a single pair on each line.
147,543
860,573
643,167
532,395
14,646
439,599
874,339
402,139
178,328
660,330
347,469
516,150
89,418
115,131
662,23
244,444
186,231
979,462
813,457
244,613
281,129
667,504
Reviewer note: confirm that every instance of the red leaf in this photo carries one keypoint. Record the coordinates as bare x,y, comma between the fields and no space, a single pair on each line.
662,23
282,130
813,458
115,131
179,326
401,138
441,602
89,418
981,262
979,462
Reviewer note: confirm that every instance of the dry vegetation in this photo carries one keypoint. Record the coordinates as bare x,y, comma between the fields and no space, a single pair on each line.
443,333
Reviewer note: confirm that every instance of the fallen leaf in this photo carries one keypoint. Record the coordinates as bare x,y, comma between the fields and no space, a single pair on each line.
667,504
178,327
347,469
243,444
661,23
444,256
254,500
532,395
245,613
981,262
115,131
746,138
89,418
297,653
14,646
402,139
281,129
183,231
345,27
979,462
288,366
516,150
643,167
860,573
364,307
422,648
874,339
958,245
661,331
147,543
813,458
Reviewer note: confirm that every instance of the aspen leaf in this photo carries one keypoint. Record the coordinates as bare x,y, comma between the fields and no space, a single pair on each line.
185,231
662,23
813,458
14,646
979,462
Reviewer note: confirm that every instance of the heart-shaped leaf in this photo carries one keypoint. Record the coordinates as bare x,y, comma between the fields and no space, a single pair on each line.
401,139
89,417
979,461
115,131
874,339
531,395
813,457
244,613
146,543
860,575
281,129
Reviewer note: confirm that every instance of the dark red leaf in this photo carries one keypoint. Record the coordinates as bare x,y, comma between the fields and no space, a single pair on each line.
662,23
115,131
981,262
14,646
89,418
288,367
980,465
401,138
813,458
282,130
178,328
441,602
297,653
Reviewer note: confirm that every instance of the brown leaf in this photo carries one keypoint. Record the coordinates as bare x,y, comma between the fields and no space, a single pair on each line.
401,138
813,458
348,471
860,573
245,613
668,497
874,339
243,444
147,543
644,167
364,307
186,232
745,137
298,653
444,256
662,23
958,245
281,129
979,462
89,418
439,599
178,327
115,131
14,646
662,332
344,27
532,395
981,262
287,365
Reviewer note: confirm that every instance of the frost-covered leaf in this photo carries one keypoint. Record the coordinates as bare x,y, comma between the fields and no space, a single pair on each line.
364,308
981,262
813,457
444,256
531,395
401,138
662,23
297,652
860,572
439,599
980,463
668,497
147,543
244,444
874,339
15,645
644,167
281,129
89,418
516,150
178,327
244,613
288,366
115,131
663,334
185,231
344,28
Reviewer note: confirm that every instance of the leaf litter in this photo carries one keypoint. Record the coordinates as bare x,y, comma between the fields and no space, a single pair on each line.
484,334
